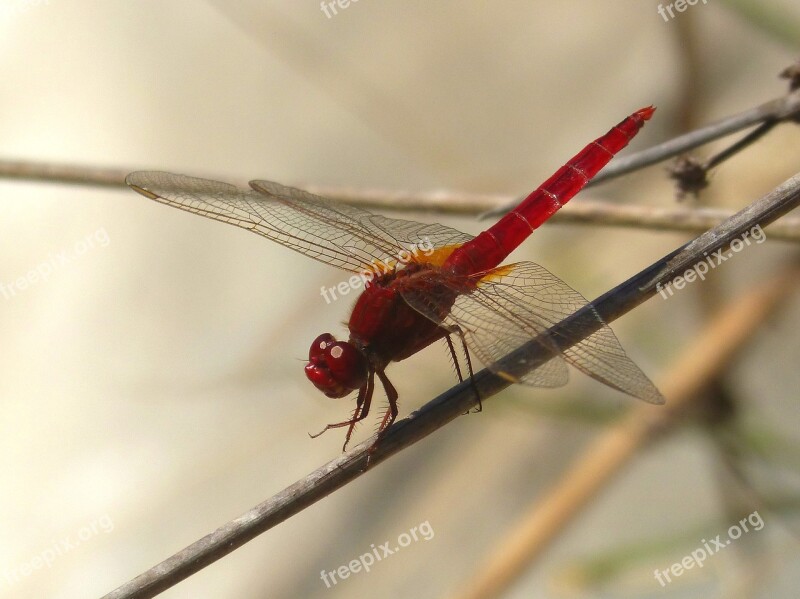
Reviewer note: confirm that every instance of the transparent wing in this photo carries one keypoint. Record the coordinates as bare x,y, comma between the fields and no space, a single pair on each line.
331,232
491,323
513,304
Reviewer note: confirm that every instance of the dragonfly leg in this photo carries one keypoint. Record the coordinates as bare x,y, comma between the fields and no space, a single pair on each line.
469,366
361,411
471,375
454,356
391,412
362,408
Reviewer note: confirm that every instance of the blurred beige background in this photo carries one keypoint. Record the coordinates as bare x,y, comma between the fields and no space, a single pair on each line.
152,386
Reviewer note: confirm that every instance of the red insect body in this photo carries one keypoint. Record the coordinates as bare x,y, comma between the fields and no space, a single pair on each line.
457,289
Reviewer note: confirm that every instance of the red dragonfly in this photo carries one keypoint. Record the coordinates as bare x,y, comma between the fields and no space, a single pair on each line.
457,289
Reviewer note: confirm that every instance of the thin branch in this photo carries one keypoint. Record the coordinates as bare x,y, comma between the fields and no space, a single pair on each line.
775,110
454,402
780,109
699,364
739,145
72,174
583,211
691,175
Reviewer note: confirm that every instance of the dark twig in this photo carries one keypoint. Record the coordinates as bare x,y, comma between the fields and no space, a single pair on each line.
775,110
738,146
691,175
453,402
792,73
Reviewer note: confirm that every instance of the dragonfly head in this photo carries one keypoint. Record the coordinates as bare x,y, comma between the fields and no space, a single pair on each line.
337,368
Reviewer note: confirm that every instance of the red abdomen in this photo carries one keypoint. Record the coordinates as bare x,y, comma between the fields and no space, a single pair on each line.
492,246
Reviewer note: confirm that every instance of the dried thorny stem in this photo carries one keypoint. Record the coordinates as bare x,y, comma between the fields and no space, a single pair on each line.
454,402
698,366
792,73
778,109
691,175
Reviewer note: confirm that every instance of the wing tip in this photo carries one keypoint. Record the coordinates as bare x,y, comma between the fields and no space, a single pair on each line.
136,181
652,396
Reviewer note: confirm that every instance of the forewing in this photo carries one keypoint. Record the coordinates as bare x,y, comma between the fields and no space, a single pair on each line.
393,233
337,234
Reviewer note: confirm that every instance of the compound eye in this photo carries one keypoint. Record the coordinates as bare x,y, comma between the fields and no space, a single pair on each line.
347,365
336,367
320,345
